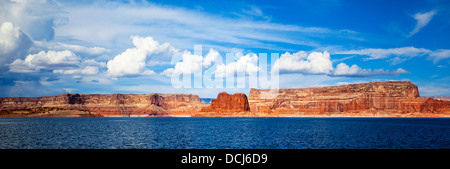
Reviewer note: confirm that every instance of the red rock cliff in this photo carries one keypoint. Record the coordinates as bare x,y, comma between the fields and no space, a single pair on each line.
111,104
227,105
389,98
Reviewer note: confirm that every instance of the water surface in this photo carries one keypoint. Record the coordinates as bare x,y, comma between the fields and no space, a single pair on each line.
224,133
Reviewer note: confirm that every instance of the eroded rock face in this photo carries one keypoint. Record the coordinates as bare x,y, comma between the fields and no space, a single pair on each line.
111,104
390,98
226,105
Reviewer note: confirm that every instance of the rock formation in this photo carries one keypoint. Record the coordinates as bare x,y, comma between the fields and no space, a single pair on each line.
227,105
385,99
110,104
375,99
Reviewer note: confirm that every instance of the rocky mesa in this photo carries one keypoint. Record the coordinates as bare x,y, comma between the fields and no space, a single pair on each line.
103,105
374,99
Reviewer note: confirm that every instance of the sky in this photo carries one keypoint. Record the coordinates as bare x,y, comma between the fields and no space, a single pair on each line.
50,47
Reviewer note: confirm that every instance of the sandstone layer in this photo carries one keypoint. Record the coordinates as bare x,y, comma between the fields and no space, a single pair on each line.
107,104
375,99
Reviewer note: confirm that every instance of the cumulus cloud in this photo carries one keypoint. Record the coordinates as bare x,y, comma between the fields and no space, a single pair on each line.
244,65
190,64
210,57
36,18
13,43
60,62
314,63
301,62
133,61
44,60
317,63
343,69
422,20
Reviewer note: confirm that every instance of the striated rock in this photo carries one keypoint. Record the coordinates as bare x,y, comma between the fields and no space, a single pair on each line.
389,98
111,104
375,99
435,106
227,105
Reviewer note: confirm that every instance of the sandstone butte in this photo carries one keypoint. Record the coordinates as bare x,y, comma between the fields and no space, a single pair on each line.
375,99
227,105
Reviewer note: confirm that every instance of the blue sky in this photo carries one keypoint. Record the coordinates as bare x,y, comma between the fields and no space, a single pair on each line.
53,47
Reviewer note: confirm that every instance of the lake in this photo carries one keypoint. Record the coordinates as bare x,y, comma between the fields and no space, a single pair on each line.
224,133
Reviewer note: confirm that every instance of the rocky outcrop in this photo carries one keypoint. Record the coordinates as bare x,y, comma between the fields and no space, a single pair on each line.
111,104
227,105
435,106
385,99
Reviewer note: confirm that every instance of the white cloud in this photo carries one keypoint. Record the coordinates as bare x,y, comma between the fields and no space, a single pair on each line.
440,54
44,60
190,63
210,57
36,18
133,61
317,63
60,62
13,43
399,54
255,12
72,47
105,22
244,65
433,91
301,62
422,20
343,69
168,72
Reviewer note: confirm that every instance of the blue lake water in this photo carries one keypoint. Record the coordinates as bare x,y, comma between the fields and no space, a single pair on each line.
224,133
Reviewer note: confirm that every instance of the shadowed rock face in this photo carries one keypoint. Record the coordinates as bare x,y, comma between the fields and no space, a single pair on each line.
75,98
397,97
111,104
